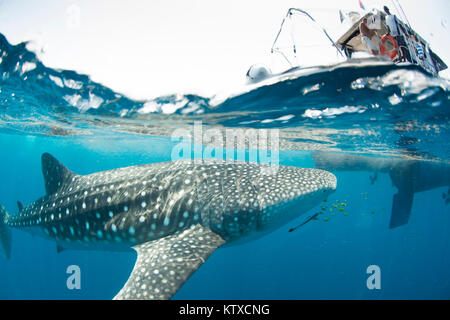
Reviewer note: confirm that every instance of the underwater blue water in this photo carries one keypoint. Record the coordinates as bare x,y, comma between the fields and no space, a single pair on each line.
366,115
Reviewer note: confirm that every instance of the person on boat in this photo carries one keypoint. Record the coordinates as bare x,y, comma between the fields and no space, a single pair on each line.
395,30
368,36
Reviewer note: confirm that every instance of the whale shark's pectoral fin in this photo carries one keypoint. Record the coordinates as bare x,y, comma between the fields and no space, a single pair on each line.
163,265
55,173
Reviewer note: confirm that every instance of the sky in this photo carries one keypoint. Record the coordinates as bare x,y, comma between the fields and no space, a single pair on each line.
145,49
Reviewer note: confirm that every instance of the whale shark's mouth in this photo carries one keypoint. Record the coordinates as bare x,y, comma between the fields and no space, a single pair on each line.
329,181
317,180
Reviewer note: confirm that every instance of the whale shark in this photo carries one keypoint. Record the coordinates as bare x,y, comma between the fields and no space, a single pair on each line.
408,176
173,214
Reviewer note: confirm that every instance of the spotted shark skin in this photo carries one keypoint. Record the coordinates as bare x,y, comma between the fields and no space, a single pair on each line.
174,214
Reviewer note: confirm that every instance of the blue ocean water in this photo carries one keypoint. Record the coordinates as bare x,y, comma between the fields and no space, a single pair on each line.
378,128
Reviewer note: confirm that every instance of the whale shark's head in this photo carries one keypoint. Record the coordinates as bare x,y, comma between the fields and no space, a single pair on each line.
295,191
271,200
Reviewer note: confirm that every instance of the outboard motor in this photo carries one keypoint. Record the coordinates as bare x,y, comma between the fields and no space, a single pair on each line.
257,73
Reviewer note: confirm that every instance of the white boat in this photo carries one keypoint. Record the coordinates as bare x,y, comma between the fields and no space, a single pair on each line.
400,46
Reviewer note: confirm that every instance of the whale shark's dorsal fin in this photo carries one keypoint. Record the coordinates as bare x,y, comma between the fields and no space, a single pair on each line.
19,206
55,173
163,265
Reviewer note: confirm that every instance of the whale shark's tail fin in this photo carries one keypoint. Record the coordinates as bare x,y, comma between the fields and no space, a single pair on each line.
5,233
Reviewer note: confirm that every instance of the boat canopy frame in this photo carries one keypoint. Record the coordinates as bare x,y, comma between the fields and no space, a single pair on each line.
289,13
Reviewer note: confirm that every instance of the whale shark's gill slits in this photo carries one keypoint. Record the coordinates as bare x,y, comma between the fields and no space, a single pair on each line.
179,216
149,213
